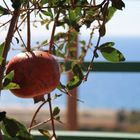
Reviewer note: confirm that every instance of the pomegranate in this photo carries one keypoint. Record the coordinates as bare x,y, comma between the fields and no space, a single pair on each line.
37,73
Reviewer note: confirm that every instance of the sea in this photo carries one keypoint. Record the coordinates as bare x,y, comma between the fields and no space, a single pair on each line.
102,90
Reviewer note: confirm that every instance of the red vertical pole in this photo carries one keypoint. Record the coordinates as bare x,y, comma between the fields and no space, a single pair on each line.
72,123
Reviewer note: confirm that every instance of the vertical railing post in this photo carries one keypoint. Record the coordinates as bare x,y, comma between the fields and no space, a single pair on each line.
72,123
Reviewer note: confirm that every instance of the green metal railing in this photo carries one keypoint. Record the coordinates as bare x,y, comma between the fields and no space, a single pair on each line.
115,67
76,135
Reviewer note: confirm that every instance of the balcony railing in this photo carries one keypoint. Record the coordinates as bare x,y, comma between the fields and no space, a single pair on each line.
76,135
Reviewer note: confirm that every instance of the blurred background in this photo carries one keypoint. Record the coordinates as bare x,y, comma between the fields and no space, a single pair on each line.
108,101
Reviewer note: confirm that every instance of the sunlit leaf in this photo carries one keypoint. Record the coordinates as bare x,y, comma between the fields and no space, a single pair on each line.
46,133
78,71
111,12
74,82
8,84
111,54
11,85
10,75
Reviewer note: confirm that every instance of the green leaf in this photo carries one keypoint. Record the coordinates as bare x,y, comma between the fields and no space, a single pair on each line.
14,129
46,133
111,12
1,51
10,75
3,11
56,111
118,4
78,71
107,44
77,78
44,2
102,30
74,82
111,54
8,84
2,115
11,85
1,59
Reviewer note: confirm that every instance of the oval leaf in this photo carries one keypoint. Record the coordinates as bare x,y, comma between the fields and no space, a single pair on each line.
46,133
118,4
14,129
8,84
111,54
56,111
75,82
111,12
78,71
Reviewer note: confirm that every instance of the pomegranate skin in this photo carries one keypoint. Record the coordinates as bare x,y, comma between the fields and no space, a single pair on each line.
37,73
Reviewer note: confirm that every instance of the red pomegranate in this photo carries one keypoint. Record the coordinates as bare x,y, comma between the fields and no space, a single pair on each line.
37,73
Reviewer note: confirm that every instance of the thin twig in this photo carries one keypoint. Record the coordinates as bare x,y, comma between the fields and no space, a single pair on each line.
64,7
51,115
21,38
8,41
53,31
28,30
37,125
7,6
35,114
3,24
91,63
97,45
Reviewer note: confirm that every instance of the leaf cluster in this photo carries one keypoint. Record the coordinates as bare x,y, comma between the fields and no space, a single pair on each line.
13,128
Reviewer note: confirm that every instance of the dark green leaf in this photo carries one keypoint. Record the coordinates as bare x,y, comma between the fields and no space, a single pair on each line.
44,2
1,51
2,115
111,54
74,82
46,133
78,71
1,59
107,44
56,111
118,4
14,129
3,11
102,30
96,55
16,3
57,118
77,78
